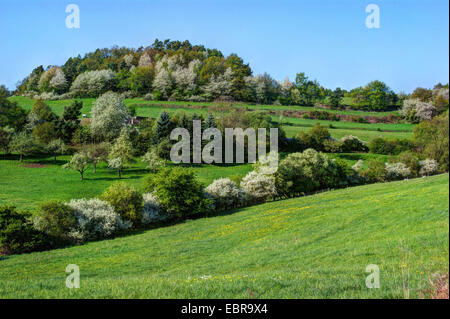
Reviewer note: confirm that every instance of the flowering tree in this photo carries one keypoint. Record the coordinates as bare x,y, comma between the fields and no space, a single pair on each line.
145,60
79,163
56,147
23,144
415,110
93,83
153,160
109,114
121,152
220,85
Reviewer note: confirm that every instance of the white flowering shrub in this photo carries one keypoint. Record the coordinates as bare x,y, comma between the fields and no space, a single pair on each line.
93,83
358,166
306,172
267,164
258,187
397,171
428,167
95,219
414,110
152,211
226,194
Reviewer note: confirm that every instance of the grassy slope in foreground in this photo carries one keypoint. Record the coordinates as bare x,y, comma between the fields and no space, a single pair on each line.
311,247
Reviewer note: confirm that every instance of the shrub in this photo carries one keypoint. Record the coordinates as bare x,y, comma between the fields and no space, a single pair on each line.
152,211
305,172
410,160
352,143
56,219
432,139
390,146
397,171
428,167
314,138
17,234
95,219
375,171
126,200
358,166
258,187
414,110
226,194
179,192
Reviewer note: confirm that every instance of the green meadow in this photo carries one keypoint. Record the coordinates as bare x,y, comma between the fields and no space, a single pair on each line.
310,247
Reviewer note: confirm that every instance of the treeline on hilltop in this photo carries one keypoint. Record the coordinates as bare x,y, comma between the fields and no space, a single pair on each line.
174,70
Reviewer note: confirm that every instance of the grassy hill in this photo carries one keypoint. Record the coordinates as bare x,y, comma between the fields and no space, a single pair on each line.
311,247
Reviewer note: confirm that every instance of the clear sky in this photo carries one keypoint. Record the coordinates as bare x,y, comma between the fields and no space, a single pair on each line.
326,39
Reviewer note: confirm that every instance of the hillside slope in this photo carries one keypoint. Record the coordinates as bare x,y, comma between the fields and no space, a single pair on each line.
311,247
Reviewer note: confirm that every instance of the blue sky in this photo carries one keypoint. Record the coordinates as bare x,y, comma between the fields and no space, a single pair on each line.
326,39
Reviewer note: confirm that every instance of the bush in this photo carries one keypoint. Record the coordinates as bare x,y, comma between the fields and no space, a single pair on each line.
17,234
179,192
410,160
305,172
57,220
397,171
226,194
375,171
152,211
126,200
352,143
390,146
95,219
428,167
258,187
432,139
314,138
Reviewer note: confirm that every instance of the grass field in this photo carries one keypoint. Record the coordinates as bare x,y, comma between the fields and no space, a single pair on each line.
58,106
291,125
311,247
27,186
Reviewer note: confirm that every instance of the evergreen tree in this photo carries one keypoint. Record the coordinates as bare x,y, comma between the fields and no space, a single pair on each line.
70,120
163,127
210,121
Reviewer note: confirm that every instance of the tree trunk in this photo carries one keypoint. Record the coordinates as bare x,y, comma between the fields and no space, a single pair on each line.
120,173
81,175
21,157
95,167
54,159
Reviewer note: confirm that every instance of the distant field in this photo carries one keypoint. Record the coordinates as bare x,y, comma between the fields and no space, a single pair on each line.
59,105
293,125
311,247
364,135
